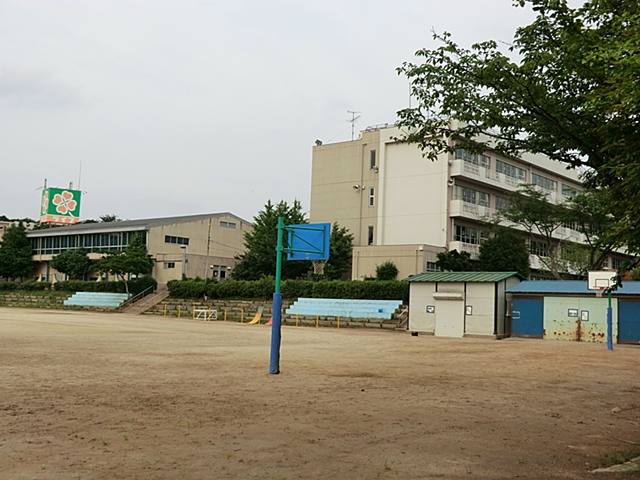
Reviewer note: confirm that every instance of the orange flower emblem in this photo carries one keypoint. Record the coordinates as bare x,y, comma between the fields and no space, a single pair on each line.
64,202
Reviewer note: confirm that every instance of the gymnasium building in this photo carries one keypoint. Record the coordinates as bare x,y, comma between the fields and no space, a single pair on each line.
195,245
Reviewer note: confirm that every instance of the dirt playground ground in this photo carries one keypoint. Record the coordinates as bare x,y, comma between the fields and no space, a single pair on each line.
110,396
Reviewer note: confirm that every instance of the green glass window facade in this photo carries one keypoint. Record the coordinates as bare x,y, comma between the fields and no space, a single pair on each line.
92,242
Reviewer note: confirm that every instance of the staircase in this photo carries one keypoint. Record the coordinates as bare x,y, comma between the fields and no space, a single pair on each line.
144,303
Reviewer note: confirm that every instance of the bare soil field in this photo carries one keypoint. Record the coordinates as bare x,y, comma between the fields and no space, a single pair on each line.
110,396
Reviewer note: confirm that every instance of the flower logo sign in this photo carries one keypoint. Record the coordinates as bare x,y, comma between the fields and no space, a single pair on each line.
60,206
64,202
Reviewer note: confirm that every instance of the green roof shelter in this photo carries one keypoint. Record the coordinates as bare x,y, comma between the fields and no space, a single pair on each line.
460,304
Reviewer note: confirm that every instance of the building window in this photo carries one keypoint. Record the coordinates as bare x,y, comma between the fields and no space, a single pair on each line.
470,235
370,235
538,248
616,263
502,204
568,191
372,159
511,170
227,224
470,195
169,265
372,196
176,240
432,267
543,182
472,158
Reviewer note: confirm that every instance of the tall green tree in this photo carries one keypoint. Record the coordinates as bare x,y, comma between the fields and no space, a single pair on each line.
505,252
568,89
133,260
259,260
546,223
340,253
15,253
74,263
533,210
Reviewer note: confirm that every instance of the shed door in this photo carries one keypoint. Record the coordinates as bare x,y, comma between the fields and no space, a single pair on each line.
628,321
527,317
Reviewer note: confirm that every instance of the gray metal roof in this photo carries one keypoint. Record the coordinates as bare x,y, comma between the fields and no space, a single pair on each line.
569,287
126,225
461,276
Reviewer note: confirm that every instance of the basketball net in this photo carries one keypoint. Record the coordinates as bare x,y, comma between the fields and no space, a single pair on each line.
599,292
318,266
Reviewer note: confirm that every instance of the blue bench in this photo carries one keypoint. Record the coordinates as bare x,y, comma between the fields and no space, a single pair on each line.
333,307
96,299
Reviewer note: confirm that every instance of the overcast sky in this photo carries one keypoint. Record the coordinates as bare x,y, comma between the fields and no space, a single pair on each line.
185,107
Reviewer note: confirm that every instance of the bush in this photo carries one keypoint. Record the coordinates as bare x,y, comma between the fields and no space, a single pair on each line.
263,289
135,286
6,286
386,271
34,285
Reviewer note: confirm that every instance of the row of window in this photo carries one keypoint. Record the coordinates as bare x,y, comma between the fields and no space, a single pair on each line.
176,240
470,195
228,224
93,242
470,235
513,171
472,158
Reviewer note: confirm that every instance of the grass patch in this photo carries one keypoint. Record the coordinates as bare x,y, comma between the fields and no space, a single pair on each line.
616,457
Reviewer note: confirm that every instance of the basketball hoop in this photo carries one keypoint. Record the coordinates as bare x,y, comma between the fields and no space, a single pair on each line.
318,266
599,292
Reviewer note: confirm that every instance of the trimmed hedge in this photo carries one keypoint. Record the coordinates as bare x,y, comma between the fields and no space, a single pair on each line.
34,285
263,289
7,286
135,286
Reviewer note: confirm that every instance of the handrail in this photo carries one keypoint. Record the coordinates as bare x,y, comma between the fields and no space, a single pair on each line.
137,297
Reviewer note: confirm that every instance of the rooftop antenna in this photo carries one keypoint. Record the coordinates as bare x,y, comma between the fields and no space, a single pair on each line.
45,185
353,121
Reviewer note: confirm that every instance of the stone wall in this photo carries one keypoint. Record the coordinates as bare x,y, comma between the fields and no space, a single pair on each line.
31,300
244,311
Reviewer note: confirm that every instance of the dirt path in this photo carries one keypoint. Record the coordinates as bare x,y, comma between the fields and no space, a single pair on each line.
109,396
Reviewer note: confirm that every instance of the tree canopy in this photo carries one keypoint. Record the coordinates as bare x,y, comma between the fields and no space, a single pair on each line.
260,257
15,253
505,252
74,263
455,261
568,89
134,260
340,253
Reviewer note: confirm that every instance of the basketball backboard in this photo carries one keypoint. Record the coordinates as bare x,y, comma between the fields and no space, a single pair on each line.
308,241
601,280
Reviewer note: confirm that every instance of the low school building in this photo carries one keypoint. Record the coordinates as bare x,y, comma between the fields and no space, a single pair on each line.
568,310
460,304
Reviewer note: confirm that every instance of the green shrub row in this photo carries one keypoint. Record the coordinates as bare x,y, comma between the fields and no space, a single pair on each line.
135,286
28,286
263,289
7,286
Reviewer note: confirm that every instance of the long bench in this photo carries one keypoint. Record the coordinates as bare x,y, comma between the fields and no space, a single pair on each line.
333,307
96,299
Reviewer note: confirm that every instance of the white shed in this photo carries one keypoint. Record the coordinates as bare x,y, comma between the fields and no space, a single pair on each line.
460,304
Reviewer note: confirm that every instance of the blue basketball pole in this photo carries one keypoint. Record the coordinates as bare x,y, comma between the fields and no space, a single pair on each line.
609,324
276,317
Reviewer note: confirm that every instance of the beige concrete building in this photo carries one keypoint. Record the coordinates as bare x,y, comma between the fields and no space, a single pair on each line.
197,245
405,208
